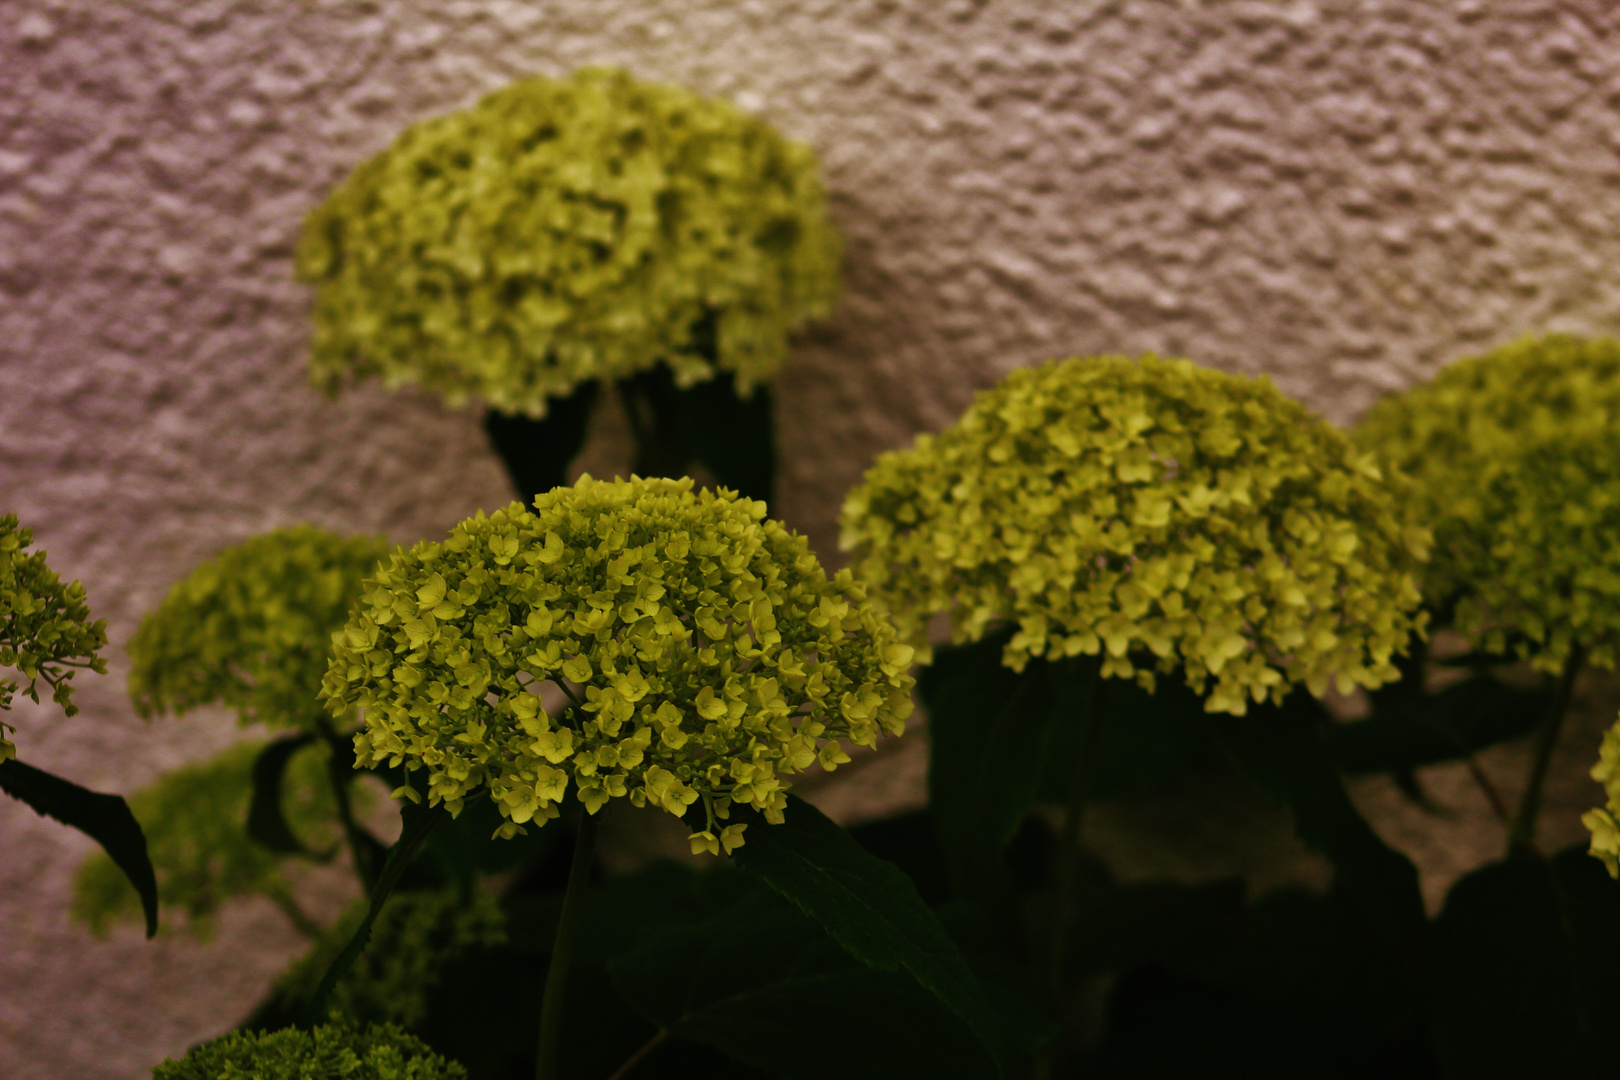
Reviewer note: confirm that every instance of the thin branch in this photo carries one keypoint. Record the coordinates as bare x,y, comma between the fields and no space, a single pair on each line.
636,1058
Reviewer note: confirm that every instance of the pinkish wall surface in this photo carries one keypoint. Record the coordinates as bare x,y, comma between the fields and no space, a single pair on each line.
1343,194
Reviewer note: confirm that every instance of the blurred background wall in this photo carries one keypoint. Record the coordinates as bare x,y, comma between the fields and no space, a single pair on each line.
1342,194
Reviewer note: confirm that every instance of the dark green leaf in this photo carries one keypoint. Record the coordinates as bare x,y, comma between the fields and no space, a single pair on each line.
733,437
1144,738
265,821
1126,926
1527,951
103,818
987,730
869,907
1281,751
1424,729
419,822
766,985
536,453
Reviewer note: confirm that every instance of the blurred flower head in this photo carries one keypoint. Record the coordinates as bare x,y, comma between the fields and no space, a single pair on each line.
251,628
1161,514
1515,457
566,230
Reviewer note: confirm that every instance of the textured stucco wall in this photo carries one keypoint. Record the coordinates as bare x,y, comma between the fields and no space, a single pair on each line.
1344,194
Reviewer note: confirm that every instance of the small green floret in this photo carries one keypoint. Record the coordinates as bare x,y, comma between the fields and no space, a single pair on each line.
251,628
329,1052
45,627
1604,822
1516,459
563,230
704,649
1158,513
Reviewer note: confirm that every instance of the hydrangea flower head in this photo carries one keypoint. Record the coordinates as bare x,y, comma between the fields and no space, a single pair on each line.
45,627
1516,460
566,230
1604,822
376,1052
1157,513
706,653
251,628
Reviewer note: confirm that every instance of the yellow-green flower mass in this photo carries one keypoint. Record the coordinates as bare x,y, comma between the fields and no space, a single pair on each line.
1515,456
1604,822
251,629
327,1052
706,654
1155,512
195,823
560,231
45,627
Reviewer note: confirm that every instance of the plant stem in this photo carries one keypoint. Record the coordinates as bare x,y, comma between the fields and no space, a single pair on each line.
562,953
283,899
365,867
1068,855
1522,837
636,1058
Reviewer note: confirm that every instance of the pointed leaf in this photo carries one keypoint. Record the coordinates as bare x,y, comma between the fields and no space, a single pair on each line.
1281,751
733,437
106,819
1425,729
266,823
869,907
536,453
711,982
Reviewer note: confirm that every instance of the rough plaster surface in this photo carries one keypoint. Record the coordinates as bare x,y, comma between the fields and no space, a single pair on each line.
1344,194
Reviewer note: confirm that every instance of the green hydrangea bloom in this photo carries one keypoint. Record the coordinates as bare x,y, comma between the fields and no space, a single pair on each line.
415,936
1159,513
329,1052
1604,822
195,820
706,651
45,630
251,628
567,230
1516,460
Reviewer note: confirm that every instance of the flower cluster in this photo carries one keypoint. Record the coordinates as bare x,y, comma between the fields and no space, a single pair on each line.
377,1052
1159,513
417,935
251,628
1604,822
194,820
567,230
45,630
704,651
1516,461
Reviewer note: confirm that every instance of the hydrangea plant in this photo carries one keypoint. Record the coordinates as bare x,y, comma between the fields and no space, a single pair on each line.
251,628
328,1052
1604,822
1516,466
45,627
1157,513
705,652
564,230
